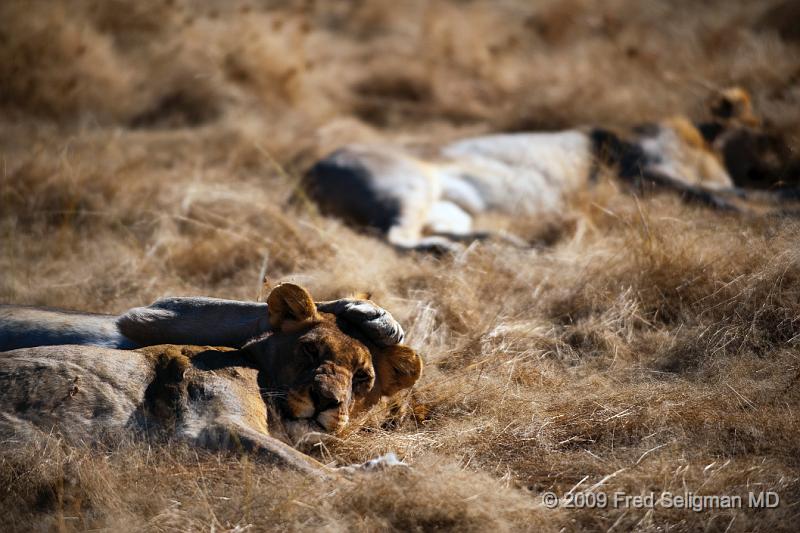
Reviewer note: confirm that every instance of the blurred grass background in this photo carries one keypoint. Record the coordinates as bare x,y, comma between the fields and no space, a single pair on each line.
154,147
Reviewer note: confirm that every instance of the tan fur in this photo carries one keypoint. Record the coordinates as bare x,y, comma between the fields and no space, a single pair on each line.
688,133
688,155
208,396
735,106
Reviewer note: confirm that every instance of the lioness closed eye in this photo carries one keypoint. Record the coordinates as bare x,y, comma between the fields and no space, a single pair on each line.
315,372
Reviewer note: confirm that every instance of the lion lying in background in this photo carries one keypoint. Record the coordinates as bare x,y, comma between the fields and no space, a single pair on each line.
311,370
426,198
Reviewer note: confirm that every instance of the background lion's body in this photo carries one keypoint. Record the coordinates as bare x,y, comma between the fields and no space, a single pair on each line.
418,201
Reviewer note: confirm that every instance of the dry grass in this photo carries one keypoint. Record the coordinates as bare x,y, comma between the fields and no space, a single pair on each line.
152,148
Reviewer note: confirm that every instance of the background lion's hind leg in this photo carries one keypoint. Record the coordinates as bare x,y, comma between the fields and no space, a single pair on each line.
448,220
408,234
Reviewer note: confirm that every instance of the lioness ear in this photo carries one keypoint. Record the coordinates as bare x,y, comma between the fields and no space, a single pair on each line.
290,307
397,367
734,103
361,295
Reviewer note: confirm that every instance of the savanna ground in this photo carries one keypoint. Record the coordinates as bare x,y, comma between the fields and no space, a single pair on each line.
153,148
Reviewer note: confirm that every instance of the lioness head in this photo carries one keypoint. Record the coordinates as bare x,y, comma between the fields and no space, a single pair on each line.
319,369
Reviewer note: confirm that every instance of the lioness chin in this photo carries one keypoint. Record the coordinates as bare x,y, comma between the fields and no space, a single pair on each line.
311,370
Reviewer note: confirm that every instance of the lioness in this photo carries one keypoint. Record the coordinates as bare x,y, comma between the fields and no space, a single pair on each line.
311,371
426,198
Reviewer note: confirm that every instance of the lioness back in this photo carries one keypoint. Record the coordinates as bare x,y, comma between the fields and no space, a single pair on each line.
81,390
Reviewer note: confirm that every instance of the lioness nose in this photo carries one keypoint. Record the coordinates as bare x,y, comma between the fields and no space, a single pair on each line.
323,400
